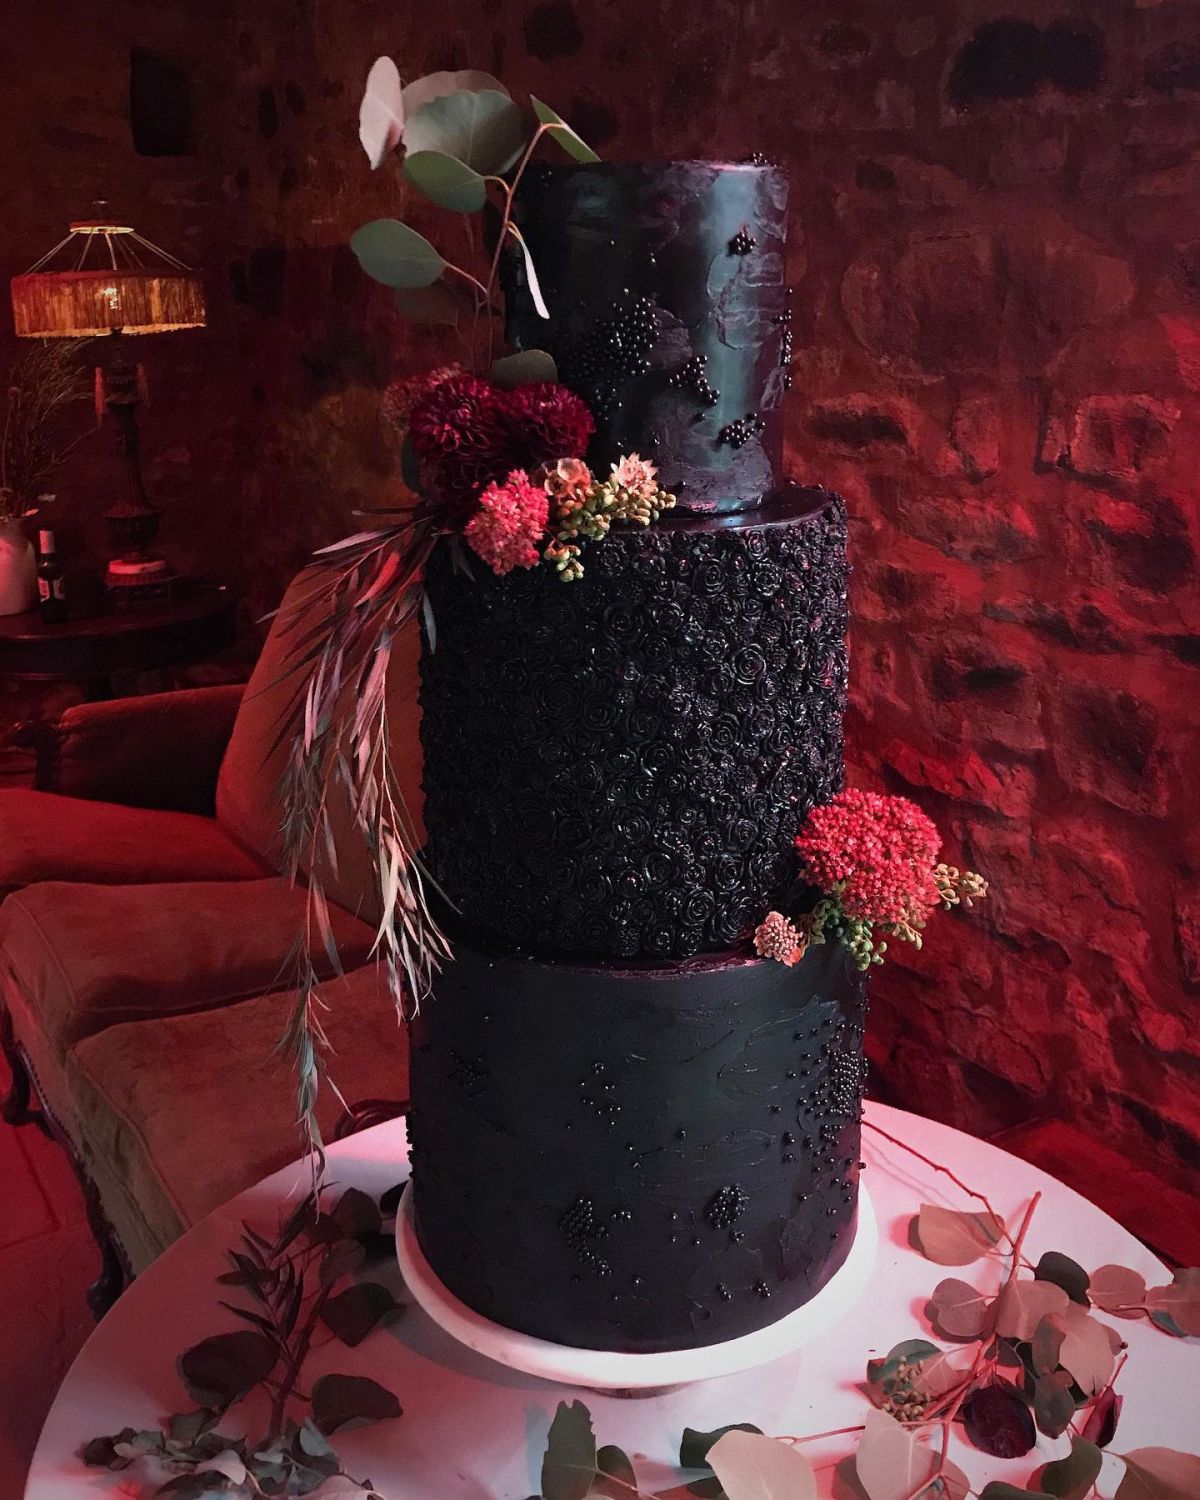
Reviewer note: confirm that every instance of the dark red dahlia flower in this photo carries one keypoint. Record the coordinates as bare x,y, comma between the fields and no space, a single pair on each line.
463,413
548,422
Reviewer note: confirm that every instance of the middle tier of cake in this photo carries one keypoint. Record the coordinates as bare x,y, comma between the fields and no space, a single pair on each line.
620,765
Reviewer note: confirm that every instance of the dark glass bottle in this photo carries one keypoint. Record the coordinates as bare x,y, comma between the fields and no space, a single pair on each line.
52,590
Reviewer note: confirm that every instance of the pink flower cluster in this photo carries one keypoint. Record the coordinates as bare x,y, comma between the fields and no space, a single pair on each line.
507,527
877,852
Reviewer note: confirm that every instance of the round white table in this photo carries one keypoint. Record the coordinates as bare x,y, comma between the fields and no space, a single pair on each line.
472,1430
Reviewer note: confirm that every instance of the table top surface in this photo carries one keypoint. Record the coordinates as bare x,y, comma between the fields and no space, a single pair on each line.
473,1430
192,600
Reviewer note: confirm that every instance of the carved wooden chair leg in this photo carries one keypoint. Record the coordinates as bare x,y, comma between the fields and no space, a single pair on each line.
17,1108
114,1276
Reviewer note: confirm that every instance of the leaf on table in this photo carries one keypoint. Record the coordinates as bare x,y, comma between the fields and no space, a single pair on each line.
381,113
101,1452
958,1310
342,1259
890,1463
1064,1272
389,1202
446,181
1159,1474
356,1213
221,1369
615,1476
186,1426
951,1238
573,144
358,1311
941,1372
481,127
750,1466
1046,1346
1089,1348
1053,1403
523,368
1000,1489
1100,1426
394,254
338,1400
1022,1305
694,1448
695,1444
569,1465
882,1372
1072,1477
1180,1301
997,1421
1117,1290
229,1463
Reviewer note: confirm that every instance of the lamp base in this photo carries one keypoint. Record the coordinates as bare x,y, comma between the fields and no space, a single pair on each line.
136,579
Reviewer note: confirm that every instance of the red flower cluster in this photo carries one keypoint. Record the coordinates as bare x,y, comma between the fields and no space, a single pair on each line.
468,433
876,852
507,527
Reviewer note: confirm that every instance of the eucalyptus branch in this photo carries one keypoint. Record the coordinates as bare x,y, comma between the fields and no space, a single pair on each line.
938,1166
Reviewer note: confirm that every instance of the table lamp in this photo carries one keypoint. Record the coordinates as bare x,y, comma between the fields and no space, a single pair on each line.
104,278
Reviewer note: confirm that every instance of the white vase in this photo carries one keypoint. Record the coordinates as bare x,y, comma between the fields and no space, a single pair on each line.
18,569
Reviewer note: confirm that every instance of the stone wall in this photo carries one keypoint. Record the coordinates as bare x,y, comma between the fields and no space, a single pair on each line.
996,260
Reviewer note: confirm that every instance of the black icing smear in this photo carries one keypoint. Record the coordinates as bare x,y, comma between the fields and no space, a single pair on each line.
639,270
682,1222
619,766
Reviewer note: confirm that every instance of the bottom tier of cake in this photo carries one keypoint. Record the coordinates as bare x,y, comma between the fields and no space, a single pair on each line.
637,1159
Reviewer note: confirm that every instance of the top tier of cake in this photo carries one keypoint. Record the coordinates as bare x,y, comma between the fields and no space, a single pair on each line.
665,288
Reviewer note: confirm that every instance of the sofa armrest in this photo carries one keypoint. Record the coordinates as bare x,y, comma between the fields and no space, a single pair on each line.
160,750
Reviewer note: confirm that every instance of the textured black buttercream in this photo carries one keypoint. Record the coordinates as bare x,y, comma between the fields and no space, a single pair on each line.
655,270
619,766
638,1159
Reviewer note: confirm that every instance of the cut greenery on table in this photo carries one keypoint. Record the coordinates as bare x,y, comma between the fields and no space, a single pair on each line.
1027,1355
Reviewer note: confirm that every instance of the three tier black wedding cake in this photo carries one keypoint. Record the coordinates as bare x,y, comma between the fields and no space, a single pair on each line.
629,1132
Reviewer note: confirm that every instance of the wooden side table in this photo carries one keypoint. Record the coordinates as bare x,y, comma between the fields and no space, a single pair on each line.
99,640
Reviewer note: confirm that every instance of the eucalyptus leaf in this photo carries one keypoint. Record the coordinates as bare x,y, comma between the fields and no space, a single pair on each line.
356,1213
998,1422
358,1311
1053,1404
338,1400
958,1309
1101,1424
219,1370
567,138
1072,1478
890,1463
569,1465
440,303
396,255
615,1477
1064,1272
446,181
753,1467
389,1202
1159,1474
695,1445
1180,1301
952,1238
525,368
434,85
381,113
1117,1290
482,128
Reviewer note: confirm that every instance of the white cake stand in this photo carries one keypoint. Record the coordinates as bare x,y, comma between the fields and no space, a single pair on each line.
606,1370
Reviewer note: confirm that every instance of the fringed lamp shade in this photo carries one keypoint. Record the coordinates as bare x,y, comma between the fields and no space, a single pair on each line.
103,277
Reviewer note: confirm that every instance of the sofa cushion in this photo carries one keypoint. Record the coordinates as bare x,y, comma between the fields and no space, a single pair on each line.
248,802
180,1114
77,958
47,837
